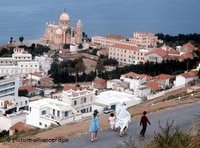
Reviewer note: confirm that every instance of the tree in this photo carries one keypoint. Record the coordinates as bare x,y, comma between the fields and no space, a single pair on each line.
23,93
80,46
100,67
11,40
21,39
112,62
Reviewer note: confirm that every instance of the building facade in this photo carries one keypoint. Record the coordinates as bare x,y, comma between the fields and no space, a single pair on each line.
8,86
63,33
126,54
46,112
145,40
110,40
20,63
79,98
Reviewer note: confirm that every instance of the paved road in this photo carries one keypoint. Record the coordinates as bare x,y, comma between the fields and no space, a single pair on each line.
183,116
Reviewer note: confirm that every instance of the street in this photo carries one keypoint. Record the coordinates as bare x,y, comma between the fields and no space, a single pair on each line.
183,116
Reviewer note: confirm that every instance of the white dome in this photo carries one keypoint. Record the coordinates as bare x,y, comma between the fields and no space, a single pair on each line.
58,31
64,17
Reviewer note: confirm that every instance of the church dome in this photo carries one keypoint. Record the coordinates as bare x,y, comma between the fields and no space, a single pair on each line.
58,31
64,17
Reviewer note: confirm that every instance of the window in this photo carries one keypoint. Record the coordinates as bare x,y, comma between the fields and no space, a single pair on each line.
26,102
90,109
66,114
45,125
84,99
44,112
83,111
75,102
58,113
53,111
40,123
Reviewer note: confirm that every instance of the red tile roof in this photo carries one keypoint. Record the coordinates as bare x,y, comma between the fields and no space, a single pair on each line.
115,37
158,51
135,75
173,51
186,56
127,47
28,88
190,74
100,82
153,85
163,77
72,87
189,46
21,127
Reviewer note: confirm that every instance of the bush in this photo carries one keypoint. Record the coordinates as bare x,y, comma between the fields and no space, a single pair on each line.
168,138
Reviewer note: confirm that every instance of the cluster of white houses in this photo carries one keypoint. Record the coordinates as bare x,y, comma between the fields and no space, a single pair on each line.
76,102
22,63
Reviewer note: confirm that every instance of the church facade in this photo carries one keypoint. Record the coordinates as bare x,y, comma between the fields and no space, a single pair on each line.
62,33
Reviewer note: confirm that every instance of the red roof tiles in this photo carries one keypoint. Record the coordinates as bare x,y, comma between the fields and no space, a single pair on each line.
21,127
153,85
28,88
115,37
190,74
127,47
135,75
163,77
186,56
72,87
158,51
189,46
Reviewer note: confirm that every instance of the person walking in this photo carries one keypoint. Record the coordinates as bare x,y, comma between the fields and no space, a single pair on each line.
144,120
112,120
94,126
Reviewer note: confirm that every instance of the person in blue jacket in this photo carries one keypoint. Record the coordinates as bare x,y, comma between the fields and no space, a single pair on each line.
94,126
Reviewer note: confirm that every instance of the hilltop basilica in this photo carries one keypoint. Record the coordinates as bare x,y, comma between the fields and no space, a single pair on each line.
63,33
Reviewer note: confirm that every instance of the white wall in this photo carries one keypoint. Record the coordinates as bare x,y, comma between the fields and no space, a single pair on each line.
7,122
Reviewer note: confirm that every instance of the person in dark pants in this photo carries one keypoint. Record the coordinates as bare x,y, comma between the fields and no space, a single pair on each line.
144,120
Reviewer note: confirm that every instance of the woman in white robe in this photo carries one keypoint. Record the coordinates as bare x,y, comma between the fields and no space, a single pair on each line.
123,118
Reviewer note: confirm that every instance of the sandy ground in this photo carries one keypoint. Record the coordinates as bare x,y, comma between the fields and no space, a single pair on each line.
80,128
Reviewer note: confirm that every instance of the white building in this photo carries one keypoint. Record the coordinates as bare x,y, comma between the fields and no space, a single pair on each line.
44,62
11,104
46,112
118,85
135,80
186,79
20,63
12,110
110,98
79,98
8,86
126,54
11,119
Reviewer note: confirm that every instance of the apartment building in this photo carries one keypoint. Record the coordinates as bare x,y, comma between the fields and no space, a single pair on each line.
20,63
110,40
46,112
79,98
8,86
126,54
145,39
